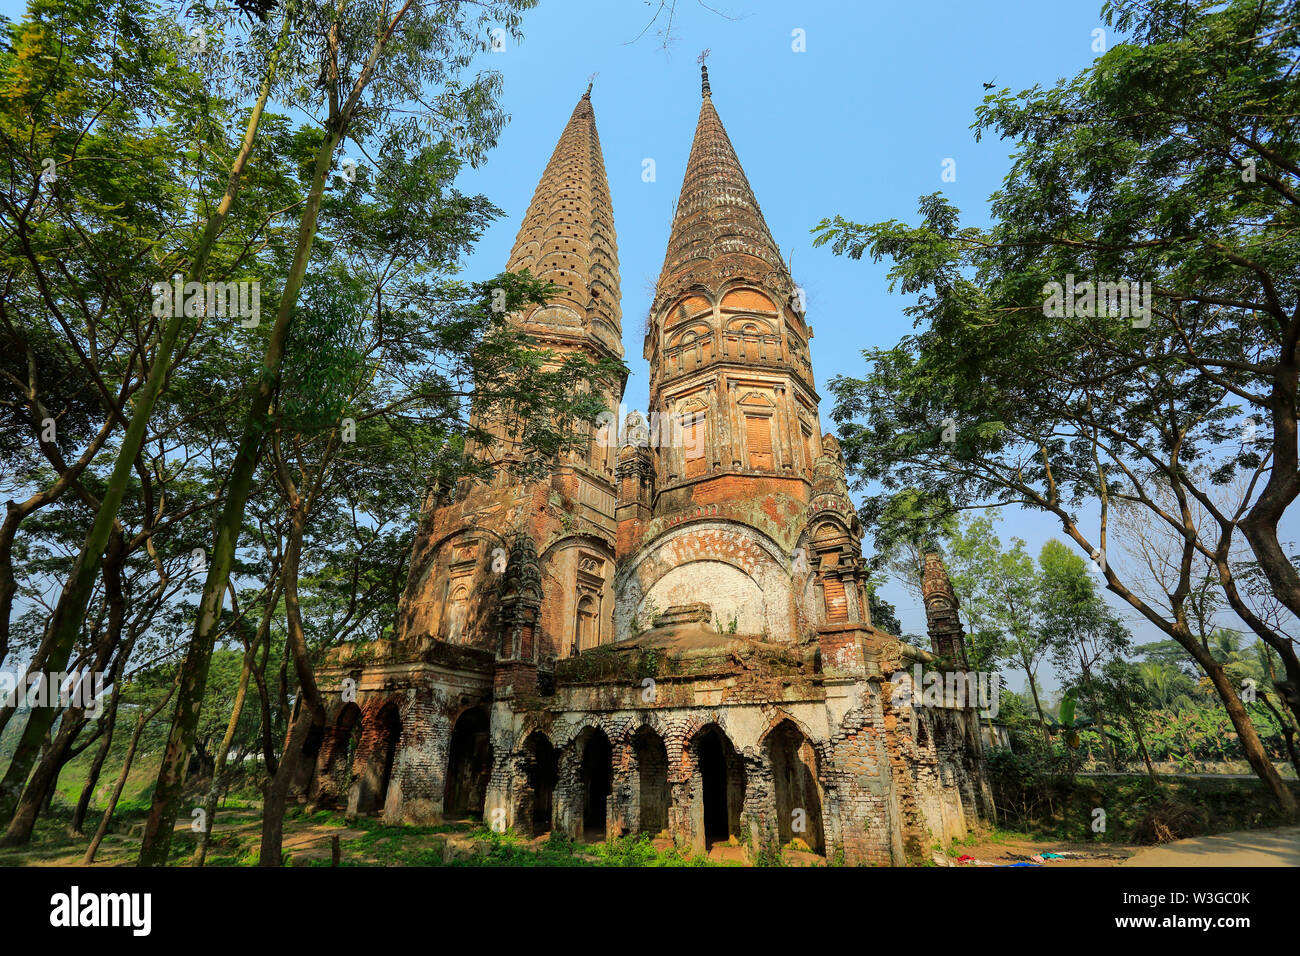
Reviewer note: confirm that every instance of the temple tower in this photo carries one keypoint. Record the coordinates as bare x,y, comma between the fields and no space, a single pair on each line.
727,341
717,489
464,586
941,618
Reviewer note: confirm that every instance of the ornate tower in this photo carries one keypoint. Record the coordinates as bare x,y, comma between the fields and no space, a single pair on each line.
524,569
941,617
729,496
727,342
567,237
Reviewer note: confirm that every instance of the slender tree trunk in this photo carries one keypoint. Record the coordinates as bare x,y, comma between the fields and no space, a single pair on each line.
107,818
264,700
66,621
310,709
1038,704
277,790
97,765
92,775
223,751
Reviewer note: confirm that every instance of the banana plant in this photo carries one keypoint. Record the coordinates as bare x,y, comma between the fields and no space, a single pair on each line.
1066,725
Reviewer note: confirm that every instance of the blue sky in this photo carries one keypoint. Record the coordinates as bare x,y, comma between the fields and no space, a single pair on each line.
859,123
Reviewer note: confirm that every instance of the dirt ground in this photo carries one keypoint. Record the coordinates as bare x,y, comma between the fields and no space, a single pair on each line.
1005,851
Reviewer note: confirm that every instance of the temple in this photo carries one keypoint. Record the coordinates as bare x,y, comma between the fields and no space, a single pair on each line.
670,634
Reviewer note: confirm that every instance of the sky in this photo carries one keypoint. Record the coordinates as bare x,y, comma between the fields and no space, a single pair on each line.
859,123
853,108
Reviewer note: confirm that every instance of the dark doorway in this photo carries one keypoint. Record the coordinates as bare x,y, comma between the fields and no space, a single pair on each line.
336,775
652,781
469,765
713,780
798,794
597,784
381,738
391,730
542,769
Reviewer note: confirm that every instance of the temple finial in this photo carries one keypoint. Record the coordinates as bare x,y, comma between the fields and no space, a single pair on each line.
704,74
591,80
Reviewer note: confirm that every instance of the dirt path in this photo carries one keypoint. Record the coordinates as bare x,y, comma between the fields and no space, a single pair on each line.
1279,846
1006,851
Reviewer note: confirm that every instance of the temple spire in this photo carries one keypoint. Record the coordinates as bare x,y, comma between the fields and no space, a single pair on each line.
941,614
718,230
567,236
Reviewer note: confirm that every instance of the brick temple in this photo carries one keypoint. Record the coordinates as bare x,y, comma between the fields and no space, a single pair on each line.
671,634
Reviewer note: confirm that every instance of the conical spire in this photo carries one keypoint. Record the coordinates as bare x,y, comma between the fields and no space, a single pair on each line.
568,237
718,230
941,616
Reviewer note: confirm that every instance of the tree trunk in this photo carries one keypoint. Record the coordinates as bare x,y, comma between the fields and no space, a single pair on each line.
65,623
310,709
223,751
1251,745
1038,704
107,818
1283,485
92,776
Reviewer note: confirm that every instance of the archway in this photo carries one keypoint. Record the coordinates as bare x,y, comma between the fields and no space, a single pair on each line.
597,783
345,738
384,733
331,784
305,774
541,771
652,781
719,785
469,765
797,790
585,634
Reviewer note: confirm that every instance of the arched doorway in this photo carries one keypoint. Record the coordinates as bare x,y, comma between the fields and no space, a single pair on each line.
469,765
305,773
381,758
652,781
719,785
541,771
597,776
585,635
797,789
336,774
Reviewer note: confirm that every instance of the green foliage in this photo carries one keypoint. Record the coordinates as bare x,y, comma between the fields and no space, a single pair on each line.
1171,161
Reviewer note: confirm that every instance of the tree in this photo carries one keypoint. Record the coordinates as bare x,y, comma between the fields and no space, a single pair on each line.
1131,171
998,590
884,616
1082,634
195,254
372,65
